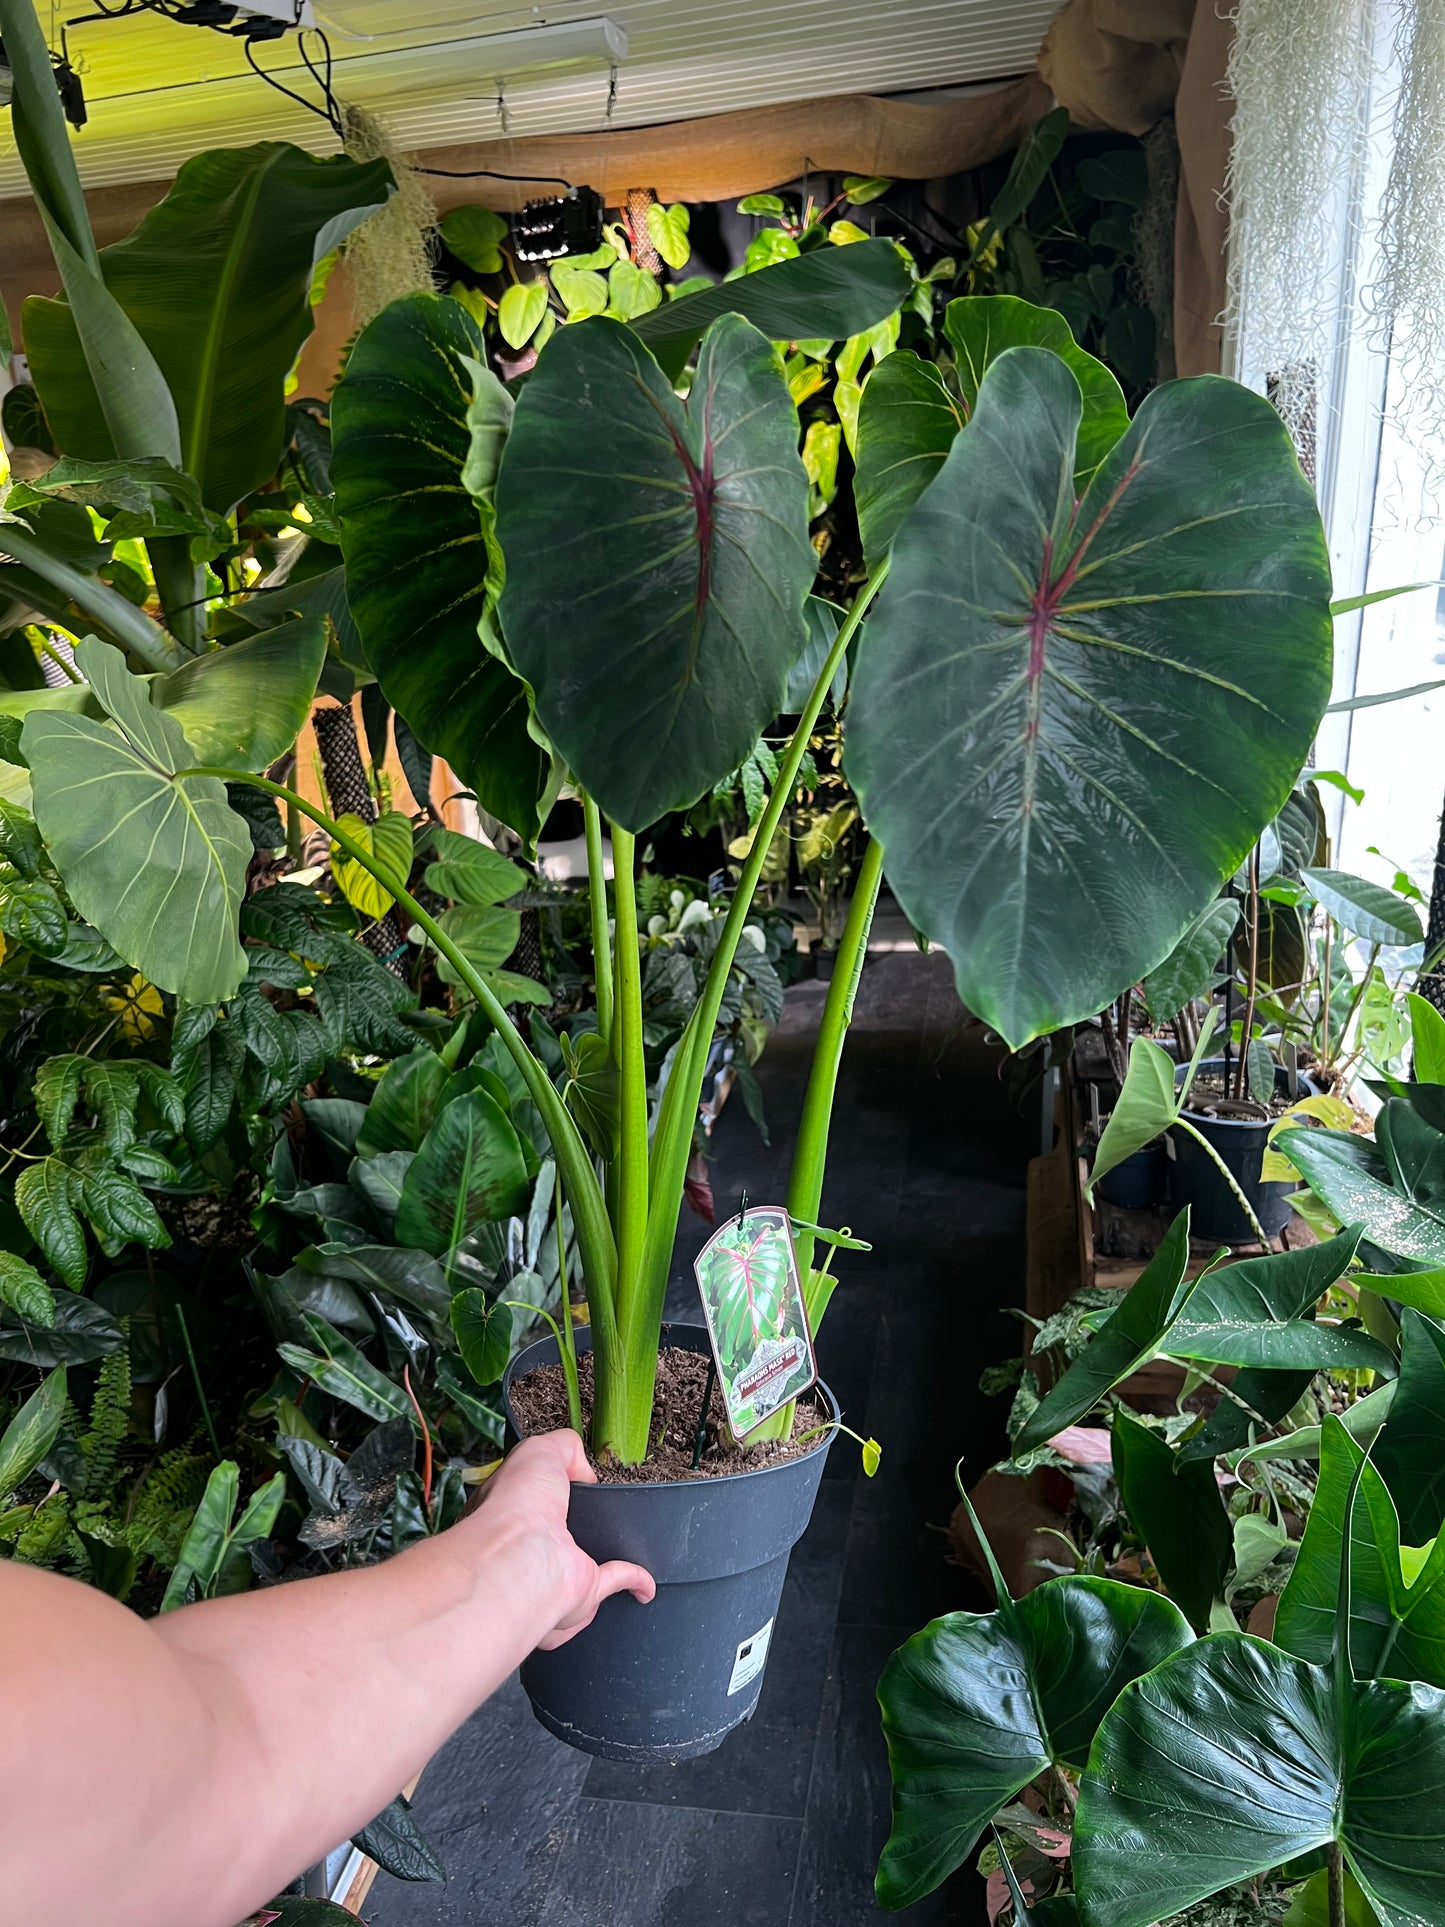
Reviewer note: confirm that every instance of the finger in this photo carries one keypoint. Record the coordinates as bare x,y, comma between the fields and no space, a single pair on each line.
575,1462
619,1575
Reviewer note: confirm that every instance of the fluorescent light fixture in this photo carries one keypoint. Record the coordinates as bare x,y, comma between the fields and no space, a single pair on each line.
594,42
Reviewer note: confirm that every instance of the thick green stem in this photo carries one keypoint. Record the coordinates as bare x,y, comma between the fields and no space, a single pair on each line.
672,1140
622,1413
805,1190
567,1338
597,897
589,1212
1229,1178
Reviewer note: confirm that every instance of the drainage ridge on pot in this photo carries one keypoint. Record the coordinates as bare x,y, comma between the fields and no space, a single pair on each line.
670,1680
1241,1142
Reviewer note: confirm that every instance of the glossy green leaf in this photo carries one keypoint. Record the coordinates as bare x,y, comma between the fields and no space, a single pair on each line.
483,1334
470,871
520,312
1126,1340
32,1432
470,1170
346,1373
1410,1452
824,619
1175,1507
216,280
1050,694
244,706
78,1332
1231,1758
829,292
1146,1106
907,421
1363,908
46,1198
592,1091
416,551
658,679
398,1846
24,1290
1252,1314
1427,1036
1354,1179
390,1271
388,841
403,1104
1310,1906
1397,1631
977,1705
154,859
667,229
474,235
1190,967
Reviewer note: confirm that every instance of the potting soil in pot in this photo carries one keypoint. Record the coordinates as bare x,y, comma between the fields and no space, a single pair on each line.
1207,1098
539,1401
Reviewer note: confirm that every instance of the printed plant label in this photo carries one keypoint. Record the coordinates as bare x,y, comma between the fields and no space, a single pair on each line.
752,1656
748,1276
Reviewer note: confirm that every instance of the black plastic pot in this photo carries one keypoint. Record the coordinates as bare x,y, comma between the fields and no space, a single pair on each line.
670,1680
1214,1211
1140,1182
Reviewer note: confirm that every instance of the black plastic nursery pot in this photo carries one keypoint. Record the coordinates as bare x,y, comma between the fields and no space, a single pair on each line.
1214,1211
1140,1181
670,1680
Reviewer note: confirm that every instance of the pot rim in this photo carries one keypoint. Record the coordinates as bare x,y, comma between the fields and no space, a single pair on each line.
1238,1123
669,1485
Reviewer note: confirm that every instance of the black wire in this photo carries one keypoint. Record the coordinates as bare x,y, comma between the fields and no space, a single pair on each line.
322,113
491,174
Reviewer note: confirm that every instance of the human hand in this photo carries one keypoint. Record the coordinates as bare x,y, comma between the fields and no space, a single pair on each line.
527,1500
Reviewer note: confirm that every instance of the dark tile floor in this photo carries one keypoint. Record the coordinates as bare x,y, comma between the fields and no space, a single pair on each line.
781,1827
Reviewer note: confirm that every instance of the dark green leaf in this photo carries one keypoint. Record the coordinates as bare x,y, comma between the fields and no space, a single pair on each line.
25,1291
78,1332
403,1105
1175,1507
1410,1452
591,1091
45,1196
340,1369
483,1334
32,913
907,422
1036,154
1354,1179
824,619
398,1846
31,1433
469,1170
1364,909
659,687
1252,1313
1025,655
1189,969
244,705
977,1705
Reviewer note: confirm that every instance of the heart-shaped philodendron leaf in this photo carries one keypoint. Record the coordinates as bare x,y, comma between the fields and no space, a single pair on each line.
1397,1629
657,559
1233,1757
978,1705
155,859
1071,719
910,413
416,421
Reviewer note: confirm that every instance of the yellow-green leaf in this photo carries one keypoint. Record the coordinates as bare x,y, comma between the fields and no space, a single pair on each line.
389,841
520,312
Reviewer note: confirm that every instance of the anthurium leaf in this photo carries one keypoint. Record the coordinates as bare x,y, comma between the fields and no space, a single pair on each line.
45,1197
470,1170
471,872
1121,1345
243,706
154,859
216,279
1252,1313
346,1373
1408,1454
398,1846
1027,652
25,1291
829,292
388,840
1146,1106
1397,1631
403,1104
907,421
1175,1507
32,1432
388,1271
592,1090
416,551
483,1334
1363,908
658,688
977,1705
78,1332
1353,1179
1233,1757
1189,969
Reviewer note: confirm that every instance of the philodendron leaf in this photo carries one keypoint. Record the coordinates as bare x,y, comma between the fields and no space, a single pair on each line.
1363,908
472,872
417,556
1354,1180
1053,691
1397,1630
978,1705
1233,1757
1175,1507
1253,1314
656,678
154,859
1190,967
470,1170
1145,1108
388,841
32,1432
483,1333
1127,1339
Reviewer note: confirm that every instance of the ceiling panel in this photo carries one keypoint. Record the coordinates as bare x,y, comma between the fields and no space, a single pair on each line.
158,92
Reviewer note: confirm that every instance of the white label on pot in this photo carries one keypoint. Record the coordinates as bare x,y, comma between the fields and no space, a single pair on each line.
751,1658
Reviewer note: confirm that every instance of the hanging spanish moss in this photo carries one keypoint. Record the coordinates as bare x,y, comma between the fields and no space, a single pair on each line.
1407,298
389,255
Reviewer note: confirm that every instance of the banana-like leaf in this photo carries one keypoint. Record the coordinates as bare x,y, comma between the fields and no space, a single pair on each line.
977,1705
1397,1630
244,705
470,1170
154,859
657,559
1070,721
216,281
420,572
1233,1757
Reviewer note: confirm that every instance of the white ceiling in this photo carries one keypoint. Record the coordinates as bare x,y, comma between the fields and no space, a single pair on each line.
158,92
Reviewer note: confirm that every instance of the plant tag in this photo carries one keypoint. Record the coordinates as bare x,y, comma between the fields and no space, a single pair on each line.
751,1295
752,1656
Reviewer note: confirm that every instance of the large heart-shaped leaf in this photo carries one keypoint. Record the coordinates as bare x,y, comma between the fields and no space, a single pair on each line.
1397,1630
1354,1179
417,557
978,1705
216,280
470,1170
1233,1757
1069,720
243,706
657,559
156,860
1127,1339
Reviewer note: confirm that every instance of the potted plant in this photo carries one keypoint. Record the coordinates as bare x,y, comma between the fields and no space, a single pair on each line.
598,578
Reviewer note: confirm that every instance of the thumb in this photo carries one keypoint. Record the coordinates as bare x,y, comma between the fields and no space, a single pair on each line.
619,1575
